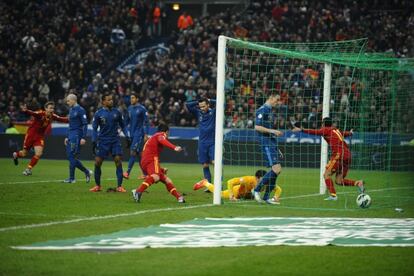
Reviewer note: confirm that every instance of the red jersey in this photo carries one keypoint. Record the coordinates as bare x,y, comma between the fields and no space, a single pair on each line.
335,138
40,124
154,146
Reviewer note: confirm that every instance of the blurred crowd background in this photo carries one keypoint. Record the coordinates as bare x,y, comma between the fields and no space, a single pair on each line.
51,48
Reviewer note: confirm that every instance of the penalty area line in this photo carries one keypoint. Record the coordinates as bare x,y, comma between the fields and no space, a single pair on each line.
30,226
45,181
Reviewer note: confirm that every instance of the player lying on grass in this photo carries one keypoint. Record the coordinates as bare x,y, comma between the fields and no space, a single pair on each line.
150,164
340,160
39,126
240,187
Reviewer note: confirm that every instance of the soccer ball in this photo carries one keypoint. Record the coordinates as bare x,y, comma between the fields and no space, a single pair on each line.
363,200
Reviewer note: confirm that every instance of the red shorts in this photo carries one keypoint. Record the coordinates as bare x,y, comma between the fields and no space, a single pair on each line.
31,141
151,166
339,164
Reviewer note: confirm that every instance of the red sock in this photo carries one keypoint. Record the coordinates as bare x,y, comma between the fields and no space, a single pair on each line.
172,190
148,181
348,182
33,162
330,186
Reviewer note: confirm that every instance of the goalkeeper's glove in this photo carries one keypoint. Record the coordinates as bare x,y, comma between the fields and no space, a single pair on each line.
94,148
128,141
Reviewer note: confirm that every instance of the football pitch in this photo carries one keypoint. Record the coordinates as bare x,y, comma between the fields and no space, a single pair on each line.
39,208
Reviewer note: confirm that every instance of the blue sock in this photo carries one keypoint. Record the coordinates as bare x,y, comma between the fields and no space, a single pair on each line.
119,175
271,186
72,165
131,163
207,174
97,174
80,166
265,180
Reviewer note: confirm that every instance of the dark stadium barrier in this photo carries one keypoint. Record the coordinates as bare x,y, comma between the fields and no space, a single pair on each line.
55,149
371,158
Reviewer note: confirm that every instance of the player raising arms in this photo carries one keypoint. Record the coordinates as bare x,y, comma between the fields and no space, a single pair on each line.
40,124
239,187
107,141
138,123
151,166
207,124
340,159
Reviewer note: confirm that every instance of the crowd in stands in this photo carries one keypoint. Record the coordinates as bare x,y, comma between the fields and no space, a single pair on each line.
51,48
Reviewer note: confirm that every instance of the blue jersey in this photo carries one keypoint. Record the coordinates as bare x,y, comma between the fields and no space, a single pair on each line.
265,118
137,120
108,121
206,122
78,125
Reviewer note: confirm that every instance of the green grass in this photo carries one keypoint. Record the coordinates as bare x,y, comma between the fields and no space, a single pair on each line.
41,198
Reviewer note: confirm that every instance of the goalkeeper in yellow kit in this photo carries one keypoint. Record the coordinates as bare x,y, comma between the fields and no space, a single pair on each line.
240,187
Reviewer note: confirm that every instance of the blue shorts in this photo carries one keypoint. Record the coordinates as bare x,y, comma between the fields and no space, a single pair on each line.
205,152
104,148
270,154
137,143
73,146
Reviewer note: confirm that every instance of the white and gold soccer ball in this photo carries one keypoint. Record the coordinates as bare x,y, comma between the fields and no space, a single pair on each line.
363,200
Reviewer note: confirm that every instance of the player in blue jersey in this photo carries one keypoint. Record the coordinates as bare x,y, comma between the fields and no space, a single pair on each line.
78,126
207,124
137,121
107,141
265,121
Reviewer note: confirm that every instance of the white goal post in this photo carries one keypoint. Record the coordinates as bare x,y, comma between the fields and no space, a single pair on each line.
220,102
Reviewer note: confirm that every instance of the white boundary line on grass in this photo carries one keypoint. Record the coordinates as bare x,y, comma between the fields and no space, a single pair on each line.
45,181
156,210
28,226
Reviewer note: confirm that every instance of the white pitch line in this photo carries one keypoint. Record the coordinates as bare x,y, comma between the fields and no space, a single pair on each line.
45,181
38,215
159,210
100,217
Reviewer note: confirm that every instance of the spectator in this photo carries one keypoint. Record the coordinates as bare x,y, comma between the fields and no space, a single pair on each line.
184,21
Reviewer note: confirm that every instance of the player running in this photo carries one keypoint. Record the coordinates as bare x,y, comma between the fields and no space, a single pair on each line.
107,141
239,187
138,123
340,156
265,120
78,127
39,126
151,166
207,124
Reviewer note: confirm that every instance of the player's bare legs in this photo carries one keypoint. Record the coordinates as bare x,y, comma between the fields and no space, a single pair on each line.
118,164
97,174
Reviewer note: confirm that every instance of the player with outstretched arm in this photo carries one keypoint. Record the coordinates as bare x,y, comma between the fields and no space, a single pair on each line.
39,126
150,164
340,160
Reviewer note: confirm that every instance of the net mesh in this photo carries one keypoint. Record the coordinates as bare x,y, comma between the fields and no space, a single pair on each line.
371,93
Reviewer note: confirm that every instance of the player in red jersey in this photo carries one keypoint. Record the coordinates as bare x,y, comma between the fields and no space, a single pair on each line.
151,166
340,156
39,126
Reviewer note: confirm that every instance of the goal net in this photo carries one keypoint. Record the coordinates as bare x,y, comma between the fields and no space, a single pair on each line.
369,93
